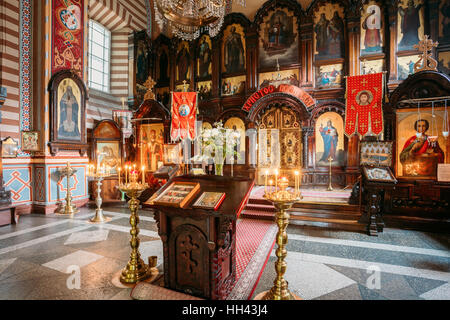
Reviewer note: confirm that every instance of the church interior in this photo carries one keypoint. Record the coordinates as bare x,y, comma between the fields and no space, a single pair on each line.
225,150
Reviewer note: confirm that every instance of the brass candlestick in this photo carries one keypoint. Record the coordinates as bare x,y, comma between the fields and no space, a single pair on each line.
136,270
68,208
283,200
330,187
98,175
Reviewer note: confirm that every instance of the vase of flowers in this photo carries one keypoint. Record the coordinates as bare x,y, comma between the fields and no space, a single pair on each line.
217,144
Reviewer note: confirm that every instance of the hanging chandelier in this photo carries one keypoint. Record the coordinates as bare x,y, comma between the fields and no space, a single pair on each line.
186,19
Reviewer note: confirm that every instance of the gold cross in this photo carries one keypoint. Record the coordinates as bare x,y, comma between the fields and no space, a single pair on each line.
428,63
351,123
364,82
376,123
184,86
363,126
149,84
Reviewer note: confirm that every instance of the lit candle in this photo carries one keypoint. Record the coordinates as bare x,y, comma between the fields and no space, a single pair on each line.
276,180
296,180
143,174
270,185
126,175
119,169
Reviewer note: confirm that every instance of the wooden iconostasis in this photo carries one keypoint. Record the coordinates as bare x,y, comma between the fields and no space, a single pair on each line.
312,48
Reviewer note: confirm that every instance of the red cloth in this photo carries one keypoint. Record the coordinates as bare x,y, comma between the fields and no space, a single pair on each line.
184,115
364,102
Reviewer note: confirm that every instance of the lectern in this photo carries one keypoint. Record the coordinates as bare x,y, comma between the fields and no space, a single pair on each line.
199,233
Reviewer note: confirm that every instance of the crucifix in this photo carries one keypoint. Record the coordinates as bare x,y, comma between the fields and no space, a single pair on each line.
426,62
330,188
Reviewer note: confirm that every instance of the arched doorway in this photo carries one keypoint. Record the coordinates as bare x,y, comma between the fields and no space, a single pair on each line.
279,142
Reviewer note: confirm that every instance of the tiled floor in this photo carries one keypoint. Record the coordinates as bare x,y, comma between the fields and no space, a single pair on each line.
40,256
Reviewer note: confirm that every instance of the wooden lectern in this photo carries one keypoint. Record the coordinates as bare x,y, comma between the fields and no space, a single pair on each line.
200,244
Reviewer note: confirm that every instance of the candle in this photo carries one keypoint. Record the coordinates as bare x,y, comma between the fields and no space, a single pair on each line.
119,169
296,181
126,175
276,180
270,183
143,174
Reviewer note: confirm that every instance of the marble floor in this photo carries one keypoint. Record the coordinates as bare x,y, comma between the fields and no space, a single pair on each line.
42,256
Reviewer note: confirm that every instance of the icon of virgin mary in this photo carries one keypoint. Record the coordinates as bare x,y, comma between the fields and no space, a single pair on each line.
68,121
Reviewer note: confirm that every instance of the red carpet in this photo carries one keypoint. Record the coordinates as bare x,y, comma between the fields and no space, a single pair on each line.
254,242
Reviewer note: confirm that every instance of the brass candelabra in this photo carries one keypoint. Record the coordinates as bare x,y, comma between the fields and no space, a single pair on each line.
68,208
330,187
98,176
135,270
283,200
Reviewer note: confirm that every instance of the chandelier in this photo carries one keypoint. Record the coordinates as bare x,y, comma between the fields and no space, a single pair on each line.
188,18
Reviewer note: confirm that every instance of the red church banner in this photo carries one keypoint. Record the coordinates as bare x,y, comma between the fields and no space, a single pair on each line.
67,35
184,115
364,104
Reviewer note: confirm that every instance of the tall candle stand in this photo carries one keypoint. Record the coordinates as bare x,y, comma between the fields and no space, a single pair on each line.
136,270
283,200
330,188
68,208
98,176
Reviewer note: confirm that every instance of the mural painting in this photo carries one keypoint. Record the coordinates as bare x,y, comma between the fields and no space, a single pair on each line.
372,29
420,144
372,66
329,32
204,65
444,62
204,90
152,142
329,76
406,66
183,61
278,39
232,86
68,111
278,77
233,49
329,133
410,24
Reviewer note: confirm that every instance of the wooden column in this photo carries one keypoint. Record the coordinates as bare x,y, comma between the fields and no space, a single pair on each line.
306,53
353,47
216,67
391,40
251,41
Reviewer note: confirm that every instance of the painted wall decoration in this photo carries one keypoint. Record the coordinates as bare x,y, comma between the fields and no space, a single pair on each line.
204,90
278,39
410,24
142,64
329,76
329,32
406,66
233,85
444,21
108,155
372,29
372,66
233,49
444,62
236,124
163,95
163,65
68,111
151,137
277,77
123,119
68,35
183,61
204,65
329,133
420,144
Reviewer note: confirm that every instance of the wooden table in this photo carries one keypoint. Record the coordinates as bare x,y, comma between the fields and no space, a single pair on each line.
200,244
